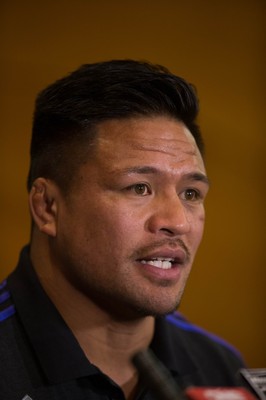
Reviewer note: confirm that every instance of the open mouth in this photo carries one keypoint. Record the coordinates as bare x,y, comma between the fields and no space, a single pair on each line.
158,262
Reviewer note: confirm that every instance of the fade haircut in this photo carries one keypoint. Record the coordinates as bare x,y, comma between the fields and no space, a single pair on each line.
68,111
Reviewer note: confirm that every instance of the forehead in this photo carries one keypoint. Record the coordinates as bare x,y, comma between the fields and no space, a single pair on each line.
153,139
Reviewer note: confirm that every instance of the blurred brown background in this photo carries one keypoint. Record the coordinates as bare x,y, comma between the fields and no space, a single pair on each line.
217,45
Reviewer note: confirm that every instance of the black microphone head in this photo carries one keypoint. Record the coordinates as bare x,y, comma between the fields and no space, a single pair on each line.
156,376
255,380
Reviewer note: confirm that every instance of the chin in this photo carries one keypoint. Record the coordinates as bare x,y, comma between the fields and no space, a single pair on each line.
157,309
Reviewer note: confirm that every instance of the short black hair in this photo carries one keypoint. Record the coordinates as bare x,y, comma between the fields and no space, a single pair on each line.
68,111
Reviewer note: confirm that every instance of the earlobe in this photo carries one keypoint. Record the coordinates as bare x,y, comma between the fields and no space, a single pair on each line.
43,206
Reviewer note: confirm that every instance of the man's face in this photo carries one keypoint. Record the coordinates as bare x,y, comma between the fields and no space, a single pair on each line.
128,231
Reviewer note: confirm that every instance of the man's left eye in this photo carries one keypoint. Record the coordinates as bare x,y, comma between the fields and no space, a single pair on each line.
191,195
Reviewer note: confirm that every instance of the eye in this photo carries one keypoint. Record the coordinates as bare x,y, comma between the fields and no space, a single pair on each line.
191,195
141,189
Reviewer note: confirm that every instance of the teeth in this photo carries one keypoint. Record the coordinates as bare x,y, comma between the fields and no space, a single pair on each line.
164,263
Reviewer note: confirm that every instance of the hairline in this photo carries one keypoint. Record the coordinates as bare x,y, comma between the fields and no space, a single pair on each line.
90,136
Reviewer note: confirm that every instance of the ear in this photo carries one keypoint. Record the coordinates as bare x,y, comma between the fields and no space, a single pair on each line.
43,205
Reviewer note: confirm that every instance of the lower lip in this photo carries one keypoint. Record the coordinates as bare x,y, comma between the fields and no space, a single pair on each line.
171,274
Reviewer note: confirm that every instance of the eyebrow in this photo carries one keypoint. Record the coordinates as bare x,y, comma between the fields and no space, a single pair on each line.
198,176
191,176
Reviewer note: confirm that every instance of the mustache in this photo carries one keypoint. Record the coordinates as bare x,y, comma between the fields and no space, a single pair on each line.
172,243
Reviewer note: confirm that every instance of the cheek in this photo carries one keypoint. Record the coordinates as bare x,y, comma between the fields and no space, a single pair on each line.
110,226
198,228
122,228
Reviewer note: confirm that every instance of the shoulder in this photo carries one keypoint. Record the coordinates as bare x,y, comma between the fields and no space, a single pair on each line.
7,331
7,308
214,357
14,353
195,334
7,316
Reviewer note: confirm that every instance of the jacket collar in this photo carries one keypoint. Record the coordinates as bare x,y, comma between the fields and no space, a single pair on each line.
55,346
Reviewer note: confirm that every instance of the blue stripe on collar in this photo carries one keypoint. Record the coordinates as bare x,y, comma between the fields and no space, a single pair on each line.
181,322
4,296
8,312
3,284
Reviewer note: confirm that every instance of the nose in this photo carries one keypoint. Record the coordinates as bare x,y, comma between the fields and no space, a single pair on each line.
169,217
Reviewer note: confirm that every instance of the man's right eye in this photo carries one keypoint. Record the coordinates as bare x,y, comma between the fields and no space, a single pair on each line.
141,189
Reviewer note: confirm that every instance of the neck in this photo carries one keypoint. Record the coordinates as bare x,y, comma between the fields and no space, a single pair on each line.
107,341
112,345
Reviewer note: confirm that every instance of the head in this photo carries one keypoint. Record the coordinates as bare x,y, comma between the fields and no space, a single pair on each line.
68,112
117,185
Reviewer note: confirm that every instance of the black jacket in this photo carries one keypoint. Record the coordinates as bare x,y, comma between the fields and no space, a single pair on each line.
40,358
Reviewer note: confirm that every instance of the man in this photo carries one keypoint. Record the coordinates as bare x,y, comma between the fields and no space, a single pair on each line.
117,184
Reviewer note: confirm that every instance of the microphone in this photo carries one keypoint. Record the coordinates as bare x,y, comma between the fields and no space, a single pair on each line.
164,387
157,377
219,393
256,380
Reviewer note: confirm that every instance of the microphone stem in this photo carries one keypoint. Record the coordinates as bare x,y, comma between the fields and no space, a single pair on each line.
155,375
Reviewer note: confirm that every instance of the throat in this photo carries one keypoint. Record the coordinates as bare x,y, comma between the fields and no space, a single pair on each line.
111,349
130,388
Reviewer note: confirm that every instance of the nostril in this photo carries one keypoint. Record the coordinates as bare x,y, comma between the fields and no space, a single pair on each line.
168,231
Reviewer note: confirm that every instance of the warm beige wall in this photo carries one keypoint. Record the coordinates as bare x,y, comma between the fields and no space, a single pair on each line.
218,45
